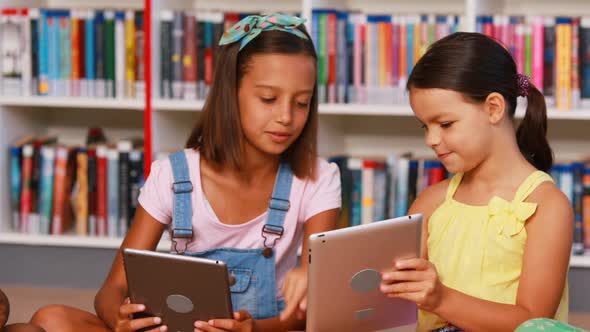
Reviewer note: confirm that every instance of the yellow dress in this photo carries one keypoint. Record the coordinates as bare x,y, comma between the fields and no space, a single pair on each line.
478,250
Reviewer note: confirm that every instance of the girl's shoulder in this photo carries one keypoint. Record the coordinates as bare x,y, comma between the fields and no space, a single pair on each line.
547,195
431,198
162,167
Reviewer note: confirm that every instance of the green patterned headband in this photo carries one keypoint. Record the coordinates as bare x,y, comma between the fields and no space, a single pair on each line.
251,26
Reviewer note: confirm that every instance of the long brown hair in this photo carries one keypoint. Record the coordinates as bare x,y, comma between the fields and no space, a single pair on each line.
476,65
218,133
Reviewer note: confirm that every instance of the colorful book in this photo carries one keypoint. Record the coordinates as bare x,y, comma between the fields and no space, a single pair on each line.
46,189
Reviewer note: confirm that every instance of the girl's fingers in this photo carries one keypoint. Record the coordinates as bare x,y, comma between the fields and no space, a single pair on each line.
393,276
141,323
296,295
127,309
217,325
242,315
415,297
402,287
162,328
412,263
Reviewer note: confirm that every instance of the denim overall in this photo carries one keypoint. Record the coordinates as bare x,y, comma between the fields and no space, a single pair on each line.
252,271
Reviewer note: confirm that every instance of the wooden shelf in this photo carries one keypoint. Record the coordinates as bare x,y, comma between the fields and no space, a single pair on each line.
69,241
74,102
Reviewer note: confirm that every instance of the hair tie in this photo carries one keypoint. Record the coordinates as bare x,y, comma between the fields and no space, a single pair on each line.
523,85
251,26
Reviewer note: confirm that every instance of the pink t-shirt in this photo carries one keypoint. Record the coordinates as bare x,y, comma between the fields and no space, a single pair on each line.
307,199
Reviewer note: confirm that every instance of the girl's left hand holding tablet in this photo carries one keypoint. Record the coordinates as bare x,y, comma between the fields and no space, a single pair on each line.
415,280
242,322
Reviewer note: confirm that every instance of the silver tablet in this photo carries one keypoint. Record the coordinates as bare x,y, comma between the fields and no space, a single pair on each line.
179,289
344,276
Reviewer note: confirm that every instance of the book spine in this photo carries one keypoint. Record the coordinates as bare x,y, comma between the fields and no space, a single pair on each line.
120,55
342,54
109,53
26,193
76,47
368,200
586,206
65,54
549,57
53,50
585,57
139,56
177,53
528,47
538,47
33,84
82,197
113,193
88,85
402,185
124,148
100,87
578,188
101,191
323,59
575,65
130,66
189,58
166,18
92,192
201,91
43,47
332,64
135,181
356,210
46,189
15,184
59,192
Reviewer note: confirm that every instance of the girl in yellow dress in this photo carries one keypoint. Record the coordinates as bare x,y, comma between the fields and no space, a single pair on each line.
497,235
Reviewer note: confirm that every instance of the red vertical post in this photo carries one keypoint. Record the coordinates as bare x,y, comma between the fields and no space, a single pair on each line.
147,115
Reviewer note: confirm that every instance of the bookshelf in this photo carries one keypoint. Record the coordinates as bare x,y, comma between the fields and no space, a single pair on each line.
72,103
70,241
360,129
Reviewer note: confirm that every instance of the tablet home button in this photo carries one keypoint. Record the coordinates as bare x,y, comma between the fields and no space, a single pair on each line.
179,303
365,281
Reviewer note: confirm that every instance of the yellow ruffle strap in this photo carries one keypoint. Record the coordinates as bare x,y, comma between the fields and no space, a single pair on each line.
510,217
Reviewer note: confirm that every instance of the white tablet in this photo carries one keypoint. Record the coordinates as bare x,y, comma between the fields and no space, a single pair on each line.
344,273
179,289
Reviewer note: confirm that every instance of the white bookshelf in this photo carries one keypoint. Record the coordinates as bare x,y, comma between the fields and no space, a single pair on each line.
73,103
580,261
69,241
344,128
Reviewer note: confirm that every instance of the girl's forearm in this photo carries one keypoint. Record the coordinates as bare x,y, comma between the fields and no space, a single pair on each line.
4,309
107,302
276,325
474,314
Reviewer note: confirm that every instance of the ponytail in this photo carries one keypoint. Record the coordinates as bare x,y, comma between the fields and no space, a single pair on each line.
531,134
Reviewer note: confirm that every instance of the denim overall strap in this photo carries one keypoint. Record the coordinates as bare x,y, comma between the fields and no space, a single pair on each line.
182,225
278,207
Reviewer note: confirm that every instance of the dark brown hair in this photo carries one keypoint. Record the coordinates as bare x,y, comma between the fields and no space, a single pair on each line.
218,132
476,65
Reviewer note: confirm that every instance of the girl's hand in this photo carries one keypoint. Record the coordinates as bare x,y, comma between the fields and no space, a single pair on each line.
4,309
295,292
242,322
415,280
125,321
